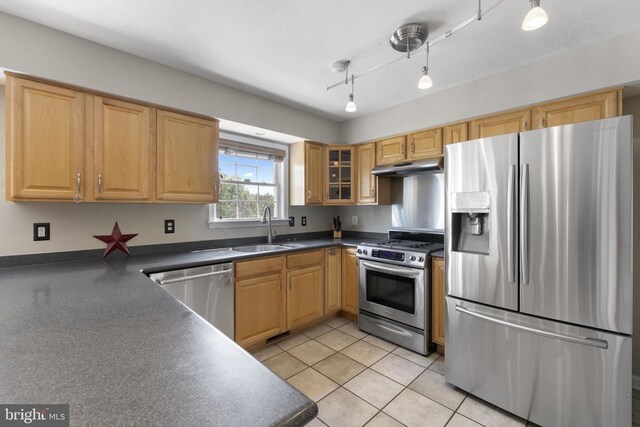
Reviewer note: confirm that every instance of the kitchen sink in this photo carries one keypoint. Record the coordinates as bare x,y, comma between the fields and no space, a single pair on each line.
293,245
259,248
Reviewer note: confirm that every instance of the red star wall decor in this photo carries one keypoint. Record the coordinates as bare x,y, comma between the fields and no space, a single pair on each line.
116,240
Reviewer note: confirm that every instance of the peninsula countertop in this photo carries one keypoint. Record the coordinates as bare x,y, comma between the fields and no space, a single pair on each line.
102,337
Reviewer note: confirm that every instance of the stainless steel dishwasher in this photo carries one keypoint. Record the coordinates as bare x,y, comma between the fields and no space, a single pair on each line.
207,290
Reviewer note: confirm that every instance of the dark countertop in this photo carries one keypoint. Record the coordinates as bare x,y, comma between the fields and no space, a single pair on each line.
104,338
438,254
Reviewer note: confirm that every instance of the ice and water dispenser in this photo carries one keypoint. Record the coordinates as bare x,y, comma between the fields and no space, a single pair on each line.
470,222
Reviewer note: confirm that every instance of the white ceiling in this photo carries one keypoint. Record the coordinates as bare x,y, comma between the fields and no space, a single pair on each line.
283,50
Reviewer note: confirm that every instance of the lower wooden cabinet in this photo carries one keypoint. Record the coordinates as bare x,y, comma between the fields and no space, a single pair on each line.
260,308
437,301
349,281
305,296
333,280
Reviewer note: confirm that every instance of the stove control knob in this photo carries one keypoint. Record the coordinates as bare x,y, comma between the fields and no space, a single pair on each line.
359,251
420,259
412,258
364,251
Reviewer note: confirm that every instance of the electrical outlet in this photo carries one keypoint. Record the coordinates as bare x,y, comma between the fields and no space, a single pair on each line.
169,226
41,231
303,221
292,221
354,220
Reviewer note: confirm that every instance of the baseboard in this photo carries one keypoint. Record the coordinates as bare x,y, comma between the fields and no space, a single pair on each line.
636,382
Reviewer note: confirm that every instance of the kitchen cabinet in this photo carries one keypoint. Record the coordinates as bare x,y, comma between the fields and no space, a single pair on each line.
455,133
372,190
260,303
575,110
339,170
119,159
349,281
500,124
437,301
333,280
306,172
425,144
391,150
187,158
45,141
305,288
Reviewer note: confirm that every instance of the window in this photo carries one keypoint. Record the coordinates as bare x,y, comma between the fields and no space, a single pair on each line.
251,178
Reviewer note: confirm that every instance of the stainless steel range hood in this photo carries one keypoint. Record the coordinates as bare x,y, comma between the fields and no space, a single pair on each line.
409,167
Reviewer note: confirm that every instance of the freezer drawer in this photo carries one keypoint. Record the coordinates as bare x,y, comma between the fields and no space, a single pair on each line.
547,372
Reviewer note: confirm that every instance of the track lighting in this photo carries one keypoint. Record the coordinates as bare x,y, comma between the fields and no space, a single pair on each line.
425,81
351,106
536,17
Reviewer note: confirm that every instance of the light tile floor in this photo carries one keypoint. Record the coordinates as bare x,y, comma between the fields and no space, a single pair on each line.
358,379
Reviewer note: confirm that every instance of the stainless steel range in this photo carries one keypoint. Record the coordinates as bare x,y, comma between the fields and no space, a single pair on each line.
395,287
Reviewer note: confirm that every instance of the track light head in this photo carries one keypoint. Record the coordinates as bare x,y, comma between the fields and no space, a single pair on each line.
536,18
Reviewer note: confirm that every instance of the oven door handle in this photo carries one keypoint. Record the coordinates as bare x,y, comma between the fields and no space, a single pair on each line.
400,271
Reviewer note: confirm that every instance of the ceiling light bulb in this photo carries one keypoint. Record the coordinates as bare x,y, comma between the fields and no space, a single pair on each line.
425,81
536,17
351,106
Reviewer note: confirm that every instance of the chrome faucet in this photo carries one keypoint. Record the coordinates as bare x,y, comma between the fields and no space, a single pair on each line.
266,217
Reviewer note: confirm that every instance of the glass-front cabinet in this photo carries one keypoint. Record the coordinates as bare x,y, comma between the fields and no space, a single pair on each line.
339,164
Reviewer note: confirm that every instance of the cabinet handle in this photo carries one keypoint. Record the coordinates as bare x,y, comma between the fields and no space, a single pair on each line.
526,125
413,147
402,149
544,124
99,183
78,197
309,194
216,189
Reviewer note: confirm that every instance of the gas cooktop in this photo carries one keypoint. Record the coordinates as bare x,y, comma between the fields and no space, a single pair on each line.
407,244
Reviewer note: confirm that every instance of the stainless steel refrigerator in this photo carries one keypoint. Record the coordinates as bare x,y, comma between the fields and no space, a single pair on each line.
539,272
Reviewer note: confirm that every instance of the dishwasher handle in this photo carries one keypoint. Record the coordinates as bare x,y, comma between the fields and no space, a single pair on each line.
162,282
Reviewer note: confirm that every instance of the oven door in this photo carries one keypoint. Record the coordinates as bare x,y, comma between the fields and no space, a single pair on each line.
393,291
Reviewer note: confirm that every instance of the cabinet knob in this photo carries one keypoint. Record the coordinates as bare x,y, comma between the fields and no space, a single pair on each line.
99,183
78,196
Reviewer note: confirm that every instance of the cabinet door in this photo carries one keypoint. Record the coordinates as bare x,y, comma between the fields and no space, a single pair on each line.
437,301
333,280
349,281
313,173
45,141
187,158
339,164
582,109
453,134
260,308
391,150
122,135
500,124
305,296
425,144
367,183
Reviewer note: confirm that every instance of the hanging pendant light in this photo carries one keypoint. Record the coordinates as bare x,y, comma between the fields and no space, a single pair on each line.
536,17
425,81
351,106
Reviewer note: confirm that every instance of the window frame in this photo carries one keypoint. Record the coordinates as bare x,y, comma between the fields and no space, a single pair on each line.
282,187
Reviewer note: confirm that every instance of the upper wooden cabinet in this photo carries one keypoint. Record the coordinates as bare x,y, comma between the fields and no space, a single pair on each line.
305,171
119,163
73,144
45,141
187,158
582,109
339,169
425,144
372,190
455,133
500,124
391,150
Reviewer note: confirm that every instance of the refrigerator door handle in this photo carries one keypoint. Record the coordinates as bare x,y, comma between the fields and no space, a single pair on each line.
511,224
524,223
592,342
